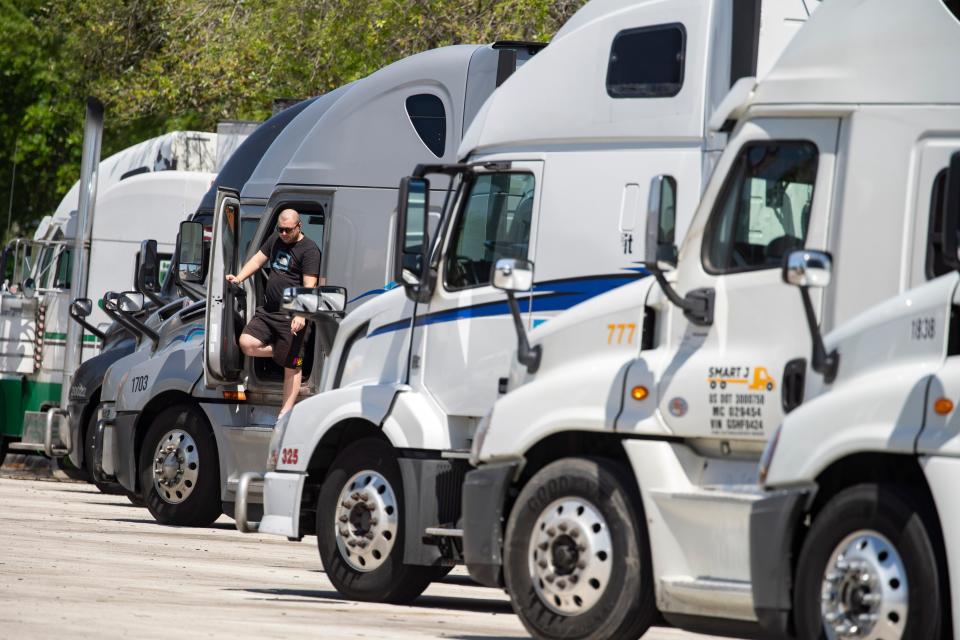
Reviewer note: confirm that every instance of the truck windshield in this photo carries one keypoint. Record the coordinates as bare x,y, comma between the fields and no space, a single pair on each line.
494,223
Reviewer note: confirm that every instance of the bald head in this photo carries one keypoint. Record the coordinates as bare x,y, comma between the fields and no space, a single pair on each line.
288,225
289,218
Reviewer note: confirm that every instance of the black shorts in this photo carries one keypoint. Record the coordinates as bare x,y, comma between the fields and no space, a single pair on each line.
274,329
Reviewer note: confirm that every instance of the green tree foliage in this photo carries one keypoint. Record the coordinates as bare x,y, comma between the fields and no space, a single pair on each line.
160,65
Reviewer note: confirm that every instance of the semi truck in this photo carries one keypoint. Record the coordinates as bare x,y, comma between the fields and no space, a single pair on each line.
338,163
87,382
555,170
156,184
617,483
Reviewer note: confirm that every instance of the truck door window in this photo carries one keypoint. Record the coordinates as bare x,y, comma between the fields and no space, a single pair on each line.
764,208
495,224
936,265
64,267
312,226
647,62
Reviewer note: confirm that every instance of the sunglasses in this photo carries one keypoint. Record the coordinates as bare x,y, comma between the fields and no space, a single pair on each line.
287,229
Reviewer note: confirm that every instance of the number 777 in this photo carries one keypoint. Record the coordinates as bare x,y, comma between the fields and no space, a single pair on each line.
619,330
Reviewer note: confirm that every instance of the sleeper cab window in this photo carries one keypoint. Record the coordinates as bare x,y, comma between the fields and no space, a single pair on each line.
647,62
763,211
429,119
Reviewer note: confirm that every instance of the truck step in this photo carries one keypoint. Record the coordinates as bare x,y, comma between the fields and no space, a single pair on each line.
444,533
707,597
456,454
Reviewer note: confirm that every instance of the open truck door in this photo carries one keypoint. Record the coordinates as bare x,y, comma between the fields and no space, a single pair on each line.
226,302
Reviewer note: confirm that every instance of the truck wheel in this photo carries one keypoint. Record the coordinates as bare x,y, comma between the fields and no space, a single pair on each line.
3,449
576,557
360,524
868,569
179,470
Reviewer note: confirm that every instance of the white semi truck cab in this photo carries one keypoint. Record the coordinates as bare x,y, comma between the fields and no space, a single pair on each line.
554,170
617,480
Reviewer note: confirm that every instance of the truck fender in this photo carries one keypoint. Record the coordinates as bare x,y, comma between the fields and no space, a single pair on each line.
876,412
312,419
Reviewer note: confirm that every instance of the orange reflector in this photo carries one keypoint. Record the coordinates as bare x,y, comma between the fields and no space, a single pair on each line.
943,406
639,393
239,396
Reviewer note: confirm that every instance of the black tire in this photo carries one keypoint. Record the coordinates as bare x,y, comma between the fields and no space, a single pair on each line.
625,607
198,502
89,455
878,509
391,581
4,446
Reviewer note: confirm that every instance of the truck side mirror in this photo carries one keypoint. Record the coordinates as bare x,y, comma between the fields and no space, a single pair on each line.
512,275
660,250
190,267
148,272
29,288
410,251
81,307
130,302
317,302
804,269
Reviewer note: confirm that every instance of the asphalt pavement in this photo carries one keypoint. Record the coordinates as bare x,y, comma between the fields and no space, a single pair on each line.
77,563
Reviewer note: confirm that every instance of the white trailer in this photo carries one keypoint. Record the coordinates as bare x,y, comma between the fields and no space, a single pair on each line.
555,170
142,191
618,482
338,163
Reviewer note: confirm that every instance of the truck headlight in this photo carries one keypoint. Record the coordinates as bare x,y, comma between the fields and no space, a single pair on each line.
276,441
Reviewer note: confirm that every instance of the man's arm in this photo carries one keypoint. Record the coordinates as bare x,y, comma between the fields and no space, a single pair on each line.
309,281
253,265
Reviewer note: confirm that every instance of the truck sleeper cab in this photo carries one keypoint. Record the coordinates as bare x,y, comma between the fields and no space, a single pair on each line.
412,373
338,163
648,462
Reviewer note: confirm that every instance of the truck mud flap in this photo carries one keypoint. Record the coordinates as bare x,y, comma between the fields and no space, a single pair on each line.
431,491
484,494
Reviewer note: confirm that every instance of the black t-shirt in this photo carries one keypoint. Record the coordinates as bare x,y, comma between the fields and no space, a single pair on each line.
288,264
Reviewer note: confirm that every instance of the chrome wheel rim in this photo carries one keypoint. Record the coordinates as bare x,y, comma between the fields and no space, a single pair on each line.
571,556
366,521
865,593
176,466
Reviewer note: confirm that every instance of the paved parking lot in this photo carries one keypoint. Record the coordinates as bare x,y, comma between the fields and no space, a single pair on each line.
75,562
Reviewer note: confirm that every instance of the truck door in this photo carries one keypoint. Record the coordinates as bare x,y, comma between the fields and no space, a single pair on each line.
728,379
465,332
223,363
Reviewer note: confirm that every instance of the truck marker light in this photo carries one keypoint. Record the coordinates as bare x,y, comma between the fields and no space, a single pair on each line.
943,406
639,393
239,396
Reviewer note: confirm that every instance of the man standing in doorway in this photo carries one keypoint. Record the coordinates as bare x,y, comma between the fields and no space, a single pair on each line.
294,261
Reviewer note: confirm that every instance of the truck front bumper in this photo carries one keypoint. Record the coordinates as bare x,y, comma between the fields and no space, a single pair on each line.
484,495
773,526
282,493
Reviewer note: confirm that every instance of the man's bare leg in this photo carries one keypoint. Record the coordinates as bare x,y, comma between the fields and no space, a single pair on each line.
255,347
291,387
